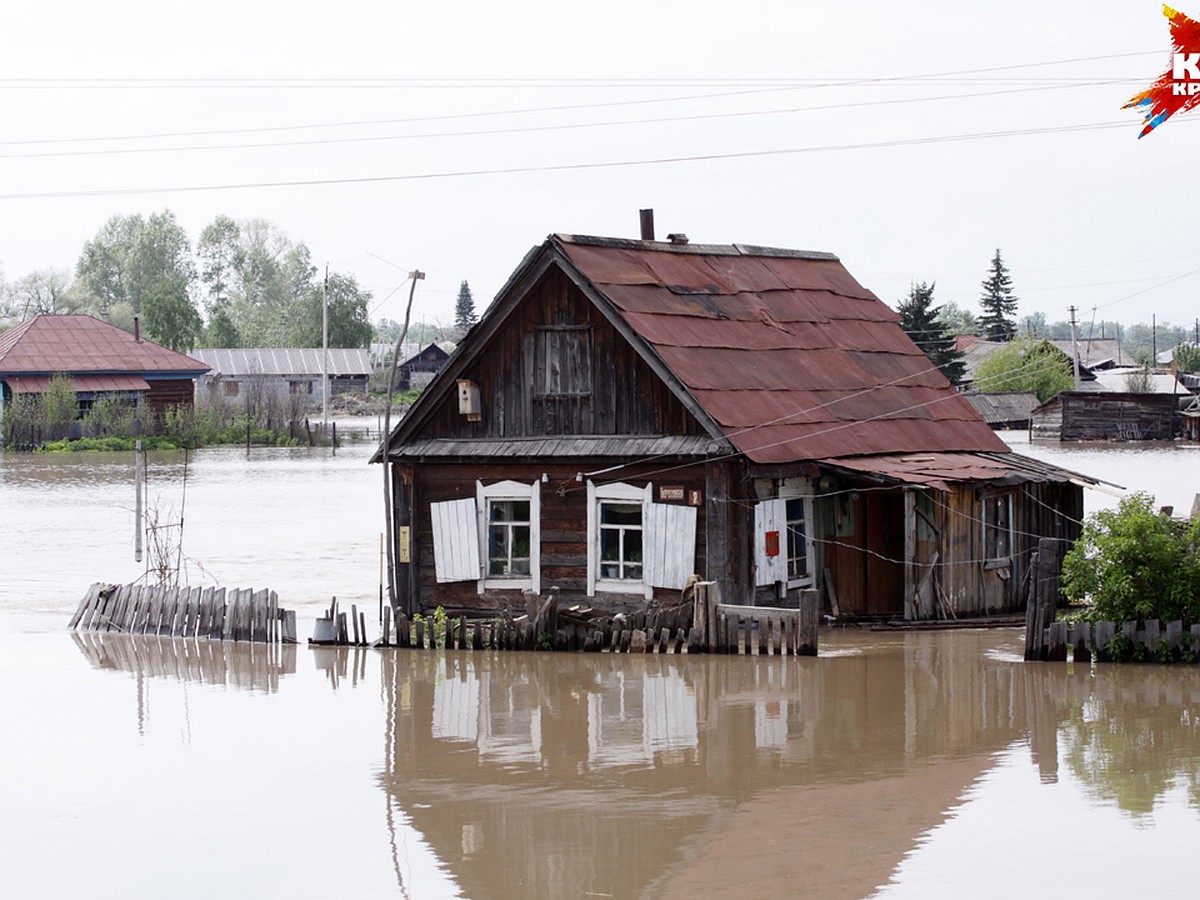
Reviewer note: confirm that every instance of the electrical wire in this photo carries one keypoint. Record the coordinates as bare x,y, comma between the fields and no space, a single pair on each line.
568,167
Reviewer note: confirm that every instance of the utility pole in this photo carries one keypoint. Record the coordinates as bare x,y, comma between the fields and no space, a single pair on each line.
325,352
388,499
1154,339
1074,347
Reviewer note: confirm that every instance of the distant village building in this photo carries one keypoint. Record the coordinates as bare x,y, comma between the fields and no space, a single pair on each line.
419,369
630,413
103,361
1006,410
284,370
1108,416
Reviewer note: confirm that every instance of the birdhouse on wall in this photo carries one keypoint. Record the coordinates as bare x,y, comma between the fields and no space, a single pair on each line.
468,400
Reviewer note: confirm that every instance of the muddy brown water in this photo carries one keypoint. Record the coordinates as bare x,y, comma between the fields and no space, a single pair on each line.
893,765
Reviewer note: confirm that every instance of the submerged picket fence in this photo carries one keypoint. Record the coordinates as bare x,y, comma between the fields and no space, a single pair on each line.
217,614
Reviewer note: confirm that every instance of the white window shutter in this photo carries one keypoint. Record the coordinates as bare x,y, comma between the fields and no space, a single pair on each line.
535,536
669,544
770,515
455,540
593,530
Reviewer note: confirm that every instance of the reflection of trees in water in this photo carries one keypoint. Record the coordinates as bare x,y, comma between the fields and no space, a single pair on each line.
1135,736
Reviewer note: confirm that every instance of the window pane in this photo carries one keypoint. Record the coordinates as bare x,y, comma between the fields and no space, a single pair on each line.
509,511
633,547
610,544
519,541
621,514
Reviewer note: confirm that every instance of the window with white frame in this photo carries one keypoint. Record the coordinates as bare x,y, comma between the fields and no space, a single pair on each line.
493,538
783,551
508,538
635,545
796,510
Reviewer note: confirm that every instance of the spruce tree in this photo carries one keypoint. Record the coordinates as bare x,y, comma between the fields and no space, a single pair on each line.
922,322
464,309
999,319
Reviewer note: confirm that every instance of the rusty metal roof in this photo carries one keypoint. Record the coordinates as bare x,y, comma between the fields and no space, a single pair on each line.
80,344
939,470
789,355
40,384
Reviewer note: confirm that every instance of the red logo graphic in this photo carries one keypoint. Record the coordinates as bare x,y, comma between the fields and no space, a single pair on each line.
1177,89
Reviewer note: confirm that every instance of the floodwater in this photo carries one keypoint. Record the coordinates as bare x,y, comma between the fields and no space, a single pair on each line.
893,765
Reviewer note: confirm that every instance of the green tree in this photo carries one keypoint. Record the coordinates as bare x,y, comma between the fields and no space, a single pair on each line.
220,331
464,308
170,316
1026,365
44,291
349,321
956,319
220,253
273,275
58,408
998,322
1134,563
1186,357
922,322
130,256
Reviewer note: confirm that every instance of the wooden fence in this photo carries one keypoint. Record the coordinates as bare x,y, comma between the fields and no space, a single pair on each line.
212,613
699,624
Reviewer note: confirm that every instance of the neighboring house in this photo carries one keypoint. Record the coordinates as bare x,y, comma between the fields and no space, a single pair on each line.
1004,410
629,413
1094,356
418,370
102,360
1108,416
285,370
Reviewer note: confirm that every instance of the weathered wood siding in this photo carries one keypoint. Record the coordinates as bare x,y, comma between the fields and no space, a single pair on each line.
165,394
563,525
1080,416
557,367
971,586
861,536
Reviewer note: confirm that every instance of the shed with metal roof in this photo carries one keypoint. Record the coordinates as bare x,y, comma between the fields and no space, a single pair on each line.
629,413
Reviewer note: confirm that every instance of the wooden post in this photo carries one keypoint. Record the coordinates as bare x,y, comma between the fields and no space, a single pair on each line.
1042,603
910,555
806,640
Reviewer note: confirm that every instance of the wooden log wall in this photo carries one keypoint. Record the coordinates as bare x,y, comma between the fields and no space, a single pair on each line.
563,526
201,612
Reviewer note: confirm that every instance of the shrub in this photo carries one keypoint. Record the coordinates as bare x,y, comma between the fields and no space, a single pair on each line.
1134,563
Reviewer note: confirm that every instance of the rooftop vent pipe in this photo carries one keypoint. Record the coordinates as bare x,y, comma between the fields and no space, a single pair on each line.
137,329
646,216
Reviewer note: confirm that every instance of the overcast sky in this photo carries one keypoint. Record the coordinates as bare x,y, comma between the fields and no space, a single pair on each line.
453,136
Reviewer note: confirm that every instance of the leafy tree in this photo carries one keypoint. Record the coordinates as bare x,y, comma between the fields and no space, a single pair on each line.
1034,325
922,322
1186,357
464,308
998,322
956,319
273,275
349,320
45,291
1026,365
170,316
1133,564
131,255
221,332
220,253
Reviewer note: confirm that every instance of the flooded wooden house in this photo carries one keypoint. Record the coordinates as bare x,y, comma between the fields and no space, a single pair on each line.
103,361
630,413
1109,416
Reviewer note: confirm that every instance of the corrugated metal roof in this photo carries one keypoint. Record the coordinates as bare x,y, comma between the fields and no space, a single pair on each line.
784,350
39,384
283,361
599,447
1011,406
72,344
938,470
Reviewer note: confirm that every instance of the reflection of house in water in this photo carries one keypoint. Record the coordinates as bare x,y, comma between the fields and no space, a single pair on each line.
563,775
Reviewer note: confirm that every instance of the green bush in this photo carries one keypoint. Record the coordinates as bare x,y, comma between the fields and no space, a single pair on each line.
1133,564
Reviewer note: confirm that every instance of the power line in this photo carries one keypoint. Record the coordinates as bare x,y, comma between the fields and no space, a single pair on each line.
530,129
567,167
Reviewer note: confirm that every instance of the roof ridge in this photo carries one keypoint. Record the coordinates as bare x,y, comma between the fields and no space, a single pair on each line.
589,240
